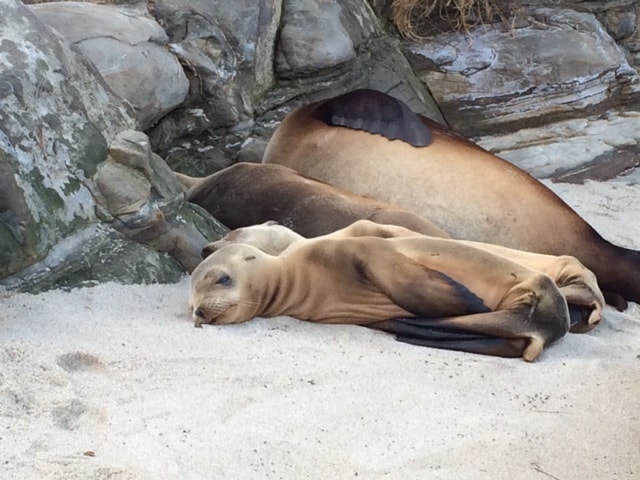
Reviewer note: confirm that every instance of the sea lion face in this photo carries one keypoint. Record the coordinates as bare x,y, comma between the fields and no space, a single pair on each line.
270,237
222,288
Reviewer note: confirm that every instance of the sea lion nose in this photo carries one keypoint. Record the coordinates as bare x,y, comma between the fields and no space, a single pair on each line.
200,313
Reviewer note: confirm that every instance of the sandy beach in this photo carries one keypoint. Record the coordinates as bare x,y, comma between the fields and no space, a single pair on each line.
114,382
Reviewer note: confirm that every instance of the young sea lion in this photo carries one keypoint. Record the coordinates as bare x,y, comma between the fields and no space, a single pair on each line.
478,301
578,284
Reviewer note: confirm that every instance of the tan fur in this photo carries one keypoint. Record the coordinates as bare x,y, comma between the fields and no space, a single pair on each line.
466,191
248,193
370,281
578,284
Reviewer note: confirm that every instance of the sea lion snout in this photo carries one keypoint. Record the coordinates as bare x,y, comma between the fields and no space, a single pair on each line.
199,313
209,309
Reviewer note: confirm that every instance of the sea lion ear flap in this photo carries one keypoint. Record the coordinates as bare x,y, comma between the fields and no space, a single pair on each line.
248,258
375,112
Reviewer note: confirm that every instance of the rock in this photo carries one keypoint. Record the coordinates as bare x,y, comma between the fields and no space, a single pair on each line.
92,255
53,134
56,120
127,47
559,148
312,39
227,50
497,79
144,201
236,97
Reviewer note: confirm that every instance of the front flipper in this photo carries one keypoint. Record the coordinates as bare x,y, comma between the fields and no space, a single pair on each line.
415,287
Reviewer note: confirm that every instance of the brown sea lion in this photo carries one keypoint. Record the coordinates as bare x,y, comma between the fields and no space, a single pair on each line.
428,291
416,164
575,281
249,193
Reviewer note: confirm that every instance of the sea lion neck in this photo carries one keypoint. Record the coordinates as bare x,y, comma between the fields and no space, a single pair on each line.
282,289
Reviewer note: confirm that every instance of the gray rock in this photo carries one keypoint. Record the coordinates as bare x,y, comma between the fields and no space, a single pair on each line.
312,38
56,119
560,147
95,254
127,47
227,49
562,64
143,200
53,134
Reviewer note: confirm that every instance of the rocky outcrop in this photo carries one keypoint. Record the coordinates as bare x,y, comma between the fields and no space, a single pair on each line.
141,198
55,132
500,78
128,48
250,62
555,90
57,120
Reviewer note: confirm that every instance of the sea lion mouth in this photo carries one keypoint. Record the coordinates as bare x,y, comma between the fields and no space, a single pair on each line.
209,311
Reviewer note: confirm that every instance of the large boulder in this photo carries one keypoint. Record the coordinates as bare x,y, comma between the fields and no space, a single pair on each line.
128,48
557,64
57,119
227,50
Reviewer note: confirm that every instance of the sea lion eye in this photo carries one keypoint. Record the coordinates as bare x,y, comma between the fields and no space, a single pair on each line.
223,279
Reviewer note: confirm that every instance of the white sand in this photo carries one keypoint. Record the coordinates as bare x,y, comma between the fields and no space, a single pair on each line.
114,382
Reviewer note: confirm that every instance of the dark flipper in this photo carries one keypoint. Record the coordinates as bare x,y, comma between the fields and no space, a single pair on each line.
497,347
413,331
375,112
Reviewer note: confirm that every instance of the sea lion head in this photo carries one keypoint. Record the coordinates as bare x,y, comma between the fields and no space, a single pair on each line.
270,237
225,286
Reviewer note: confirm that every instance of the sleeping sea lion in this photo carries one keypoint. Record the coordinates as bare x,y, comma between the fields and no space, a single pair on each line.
252,193
428,291
371,144
578,284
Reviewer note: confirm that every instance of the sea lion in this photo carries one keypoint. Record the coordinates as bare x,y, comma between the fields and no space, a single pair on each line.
477,302
249,193
465,190
578,284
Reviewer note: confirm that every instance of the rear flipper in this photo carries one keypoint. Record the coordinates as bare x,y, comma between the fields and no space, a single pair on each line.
520,330
415,332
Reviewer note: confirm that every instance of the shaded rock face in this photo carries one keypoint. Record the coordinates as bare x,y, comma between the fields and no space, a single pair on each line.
560,64
55,118
226,49
143,200
251,62
127,47
63,220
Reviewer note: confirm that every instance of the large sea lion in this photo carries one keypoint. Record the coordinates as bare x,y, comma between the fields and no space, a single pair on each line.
477,301
578,284
249,193
371,144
